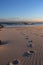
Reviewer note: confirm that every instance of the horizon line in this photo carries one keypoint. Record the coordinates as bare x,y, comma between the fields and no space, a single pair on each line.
22,19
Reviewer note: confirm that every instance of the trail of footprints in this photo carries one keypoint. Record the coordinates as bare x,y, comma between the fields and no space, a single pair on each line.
28,57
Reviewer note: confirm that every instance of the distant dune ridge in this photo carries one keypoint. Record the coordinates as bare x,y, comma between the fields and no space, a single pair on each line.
19,23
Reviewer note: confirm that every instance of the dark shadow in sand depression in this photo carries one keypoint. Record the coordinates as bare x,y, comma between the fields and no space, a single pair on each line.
14,62
4,42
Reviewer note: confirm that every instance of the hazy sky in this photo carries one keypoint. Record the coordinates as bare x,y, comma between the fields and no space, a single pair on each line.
21,9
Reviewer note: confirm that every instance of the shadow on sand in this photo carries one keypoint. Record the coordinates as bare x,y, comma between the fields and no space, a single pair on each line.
4,42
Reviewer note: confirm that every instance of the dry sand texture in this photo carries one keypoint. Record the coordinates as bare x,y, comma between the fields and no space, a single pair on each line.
23,43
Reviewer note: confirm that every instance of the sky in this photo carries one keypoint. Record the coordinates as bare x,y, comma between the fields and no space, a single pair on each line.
21,9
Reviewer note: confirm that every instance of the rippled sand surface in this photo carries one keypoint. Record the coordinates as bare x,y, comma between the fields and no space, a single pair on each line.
19,41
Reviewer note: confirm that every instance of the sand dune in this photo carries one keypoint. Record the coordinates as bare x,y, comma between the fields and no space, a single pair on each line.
19,41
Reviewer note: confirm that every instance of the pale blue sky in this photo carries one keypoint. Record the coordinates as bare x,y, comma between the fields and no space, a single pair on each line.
21,8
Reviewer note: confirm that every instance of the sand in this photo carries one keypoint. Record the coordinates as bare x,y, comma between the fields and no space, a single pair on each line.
20,40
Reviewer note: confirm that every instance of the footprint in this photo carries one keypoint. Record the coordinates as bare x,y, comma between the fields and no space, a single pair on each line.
30,41
15,62
29,45
26,38
26,54
31,51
